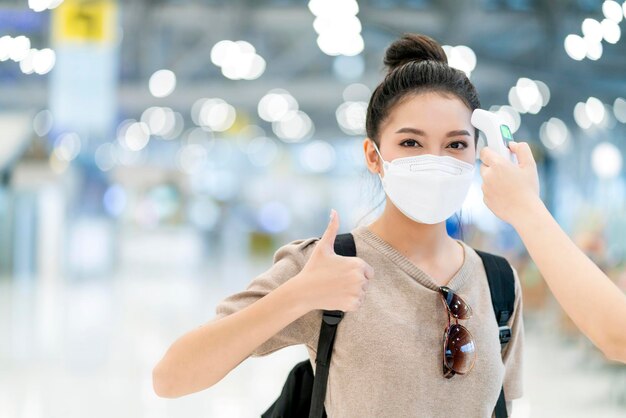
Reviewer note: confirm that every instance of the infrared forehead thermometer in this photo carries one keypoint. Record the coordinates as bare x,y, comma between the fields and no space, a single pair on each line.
497,133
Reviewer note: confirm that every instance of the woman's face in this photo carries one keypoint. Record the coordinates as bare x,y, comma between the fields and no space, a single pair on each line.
427,123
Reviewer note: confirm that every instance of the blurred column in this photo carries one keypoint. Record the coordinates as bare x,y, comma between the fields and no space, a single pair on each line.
6,223
15,136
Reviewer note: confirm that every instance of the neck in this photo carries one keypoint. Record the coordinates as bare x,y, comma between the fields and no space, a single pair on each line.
415,240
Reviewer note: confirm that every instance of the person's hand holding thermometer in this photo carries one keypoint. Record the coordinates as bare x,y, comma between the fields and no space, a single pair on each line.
511,190
519,176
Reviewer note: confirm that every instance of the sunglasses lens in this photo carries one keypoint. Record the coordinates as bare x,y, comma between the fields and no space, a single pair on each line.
459,350
458,308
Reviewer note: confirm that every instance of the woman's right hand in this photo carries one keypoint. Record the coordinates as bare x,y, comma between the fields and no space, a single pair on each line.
333,282
203,356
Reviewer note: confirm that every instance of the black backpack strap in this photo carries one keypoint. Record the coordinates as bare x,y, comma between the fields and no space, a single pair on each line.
502,288
344,245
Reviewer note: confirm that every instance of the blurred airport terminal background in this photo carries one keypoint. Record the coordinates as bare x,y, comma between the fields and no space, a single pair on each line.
154,155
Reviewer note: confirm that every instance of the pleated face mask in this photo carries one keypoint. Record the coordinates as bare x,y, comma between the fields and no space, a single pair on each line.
427,188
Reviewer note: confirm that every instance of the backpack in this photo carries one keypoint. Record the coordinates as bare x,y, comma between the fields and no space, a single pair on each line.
303,393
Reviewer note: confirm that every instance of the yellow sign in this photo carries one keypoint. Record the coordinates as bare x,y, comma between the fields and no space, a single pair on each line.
85,21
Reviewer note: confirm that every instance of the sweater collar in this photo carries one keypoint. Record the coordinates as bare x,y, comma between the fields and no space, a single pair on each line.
466,271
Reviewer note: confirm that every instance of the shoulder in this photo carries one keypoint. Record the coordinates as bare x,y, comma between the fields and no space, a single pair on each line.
299,250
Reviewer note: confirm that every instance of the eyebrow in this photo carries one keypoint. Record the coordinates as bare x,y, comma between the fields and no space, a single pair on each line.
422,133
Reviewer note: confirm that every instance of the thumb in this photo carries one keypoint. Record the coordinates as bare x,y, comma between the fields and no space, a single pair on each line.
327,242
523,153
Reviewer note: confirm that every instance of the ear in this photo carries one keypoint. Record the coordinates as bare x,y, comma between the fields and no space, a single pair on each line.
374,165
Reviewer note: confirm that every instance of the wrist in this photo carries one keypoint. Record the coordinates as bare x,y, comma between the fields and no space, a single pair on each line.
296,296
530,214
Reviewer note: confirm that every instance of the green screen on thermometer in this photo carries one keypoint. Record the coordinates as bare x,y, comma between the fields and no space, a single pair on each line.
506,133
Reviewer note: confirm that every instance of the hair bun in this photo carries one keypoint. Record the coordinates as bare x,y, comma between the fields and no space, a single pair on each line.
413,47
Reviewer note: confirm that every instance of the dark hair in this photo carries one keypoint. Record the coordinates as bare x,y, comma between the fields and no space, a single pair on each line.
416,64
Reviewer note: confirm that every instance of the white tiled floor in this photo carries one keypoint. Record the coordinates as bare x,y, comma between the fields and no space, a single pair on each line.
86,349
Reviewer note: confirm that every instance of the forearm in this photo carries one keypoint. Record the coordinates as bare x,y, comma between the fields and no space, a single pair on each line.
595,304
202,357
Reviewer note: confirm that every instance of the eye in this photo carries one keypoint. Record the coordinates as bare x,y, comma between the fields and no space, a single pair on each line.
458,145
410,143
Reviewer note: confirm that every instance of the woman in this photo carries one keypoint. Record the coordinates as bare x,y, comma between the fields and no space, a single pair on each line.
589,297
387,358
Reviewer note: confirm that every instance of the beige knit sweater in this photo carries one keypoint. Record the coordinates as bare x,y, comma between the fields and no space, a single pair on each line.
387,358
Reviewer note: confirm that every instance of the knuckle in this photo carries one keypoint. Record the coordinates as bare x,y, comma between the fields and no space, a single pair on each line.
354,275
363,264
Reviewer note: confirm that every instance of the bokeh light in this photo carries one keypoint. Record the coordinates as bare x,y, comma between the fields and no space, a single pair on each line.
162,83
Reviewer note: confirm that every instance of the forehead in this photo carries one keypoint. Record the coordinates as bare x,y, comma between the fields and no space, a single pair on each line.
431,112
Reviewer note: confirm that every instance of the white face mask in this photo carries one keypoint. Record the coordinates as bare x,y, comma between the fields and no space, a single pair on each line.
427,188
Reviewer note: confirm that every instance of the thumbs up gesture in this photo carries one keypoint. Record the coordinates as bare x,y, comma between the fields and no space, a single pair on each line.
330,281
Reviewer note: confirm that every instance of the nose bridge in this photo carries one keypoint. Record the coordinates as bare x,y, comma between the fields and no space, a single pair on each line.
434,148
